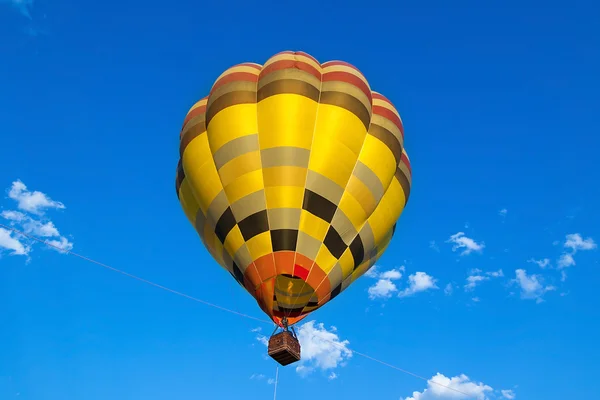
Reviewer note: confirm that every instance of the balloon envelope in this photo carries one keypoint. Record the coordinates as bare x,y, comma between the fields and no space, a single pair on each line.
294,174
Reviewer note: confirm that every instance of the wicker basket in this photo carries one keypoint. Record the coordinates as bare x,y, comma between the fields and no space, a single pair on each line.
284,348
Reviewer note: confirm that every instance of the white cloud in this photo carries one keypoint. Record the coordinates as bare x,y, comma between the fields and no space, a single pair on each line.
383,288
24,6
62,245
9,242
543,263
476,277
332,376
434,246
575,242
503,212
566,260
496,274
30,225
33,221
473,280
321,348
270,381
256,329
532,286
463,242
440,387
392,274
372,272
476,299
34,202
448,289
263,339
257,376
418,282
508,394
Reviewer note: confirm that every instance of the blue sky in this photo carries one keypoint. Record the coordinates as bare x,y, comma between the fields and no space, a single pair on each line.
490,284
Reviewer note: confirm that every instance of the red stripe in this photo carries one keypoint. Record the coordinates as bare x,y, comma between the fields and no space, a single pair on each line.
384,112
194,113
404,159
236,76
300,272
348,78
301,53
284,64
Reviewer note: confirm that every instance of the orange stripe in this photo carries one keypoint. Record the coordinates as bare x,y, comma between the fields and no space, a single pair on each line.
389,114
236,76
348,78
285,64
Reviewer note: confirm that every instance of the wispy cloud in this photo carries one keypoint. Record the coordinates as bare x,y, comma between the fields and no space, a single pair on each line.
477,276
448,289
574,243
543,263
532,286
433,245
9,242
31,220
24,6
508,394
34,202
461,241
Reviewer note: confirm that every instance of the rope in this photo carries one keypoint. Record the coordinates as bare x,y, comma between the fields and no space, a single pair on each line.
221,308
276,381
390,365
134,276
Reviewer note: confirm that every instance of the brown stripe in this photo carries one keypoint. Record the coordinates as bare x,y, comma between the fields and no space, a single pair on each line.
349,103
228,100
404,183
180,175
388,139
384,112
293,86
348,78
190,134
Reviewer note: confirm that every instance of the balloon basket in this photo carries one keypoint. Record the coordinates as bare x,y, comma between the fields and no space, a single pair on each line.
284,348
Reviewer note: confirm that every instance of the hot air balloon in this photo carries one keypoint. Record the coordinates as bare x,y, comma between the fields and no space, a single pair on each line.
294,175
